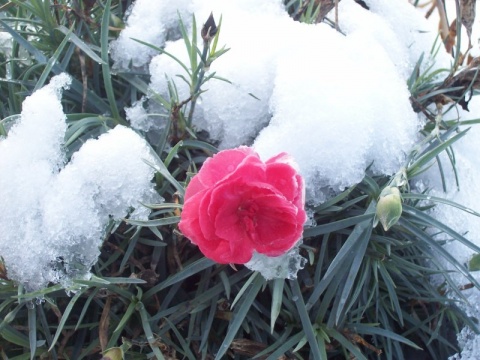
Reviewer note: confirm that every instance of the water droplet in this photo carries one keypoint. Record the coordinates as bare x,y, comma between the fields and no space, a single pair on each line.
295,298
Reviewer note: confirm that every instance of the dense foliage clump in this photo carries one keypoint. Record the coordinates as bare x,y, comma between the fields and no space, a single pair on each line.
372,286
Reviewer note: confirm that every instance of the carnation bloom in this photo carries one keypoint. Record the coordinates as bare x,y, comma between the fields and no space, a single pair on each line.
238,204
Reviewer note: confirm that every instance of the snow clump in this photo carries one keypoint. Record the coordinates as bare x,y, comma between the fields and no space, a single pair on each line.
152,22
54,216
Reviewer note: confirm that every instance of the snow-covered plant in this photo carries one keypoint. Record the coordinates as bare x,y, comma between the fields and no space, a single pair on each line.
130,201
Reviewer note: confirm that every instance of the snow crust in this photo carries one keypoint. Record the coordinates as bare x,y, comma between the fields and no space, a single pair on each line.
55,215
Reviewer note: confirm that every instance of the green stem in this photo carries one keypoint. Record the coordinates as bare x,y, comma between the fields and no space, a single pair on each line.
196,91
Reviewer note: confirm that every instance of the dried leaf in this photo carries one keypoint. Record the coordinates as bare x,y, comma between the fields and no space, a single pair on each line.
104,323
250,348
325,7
449,40
467,9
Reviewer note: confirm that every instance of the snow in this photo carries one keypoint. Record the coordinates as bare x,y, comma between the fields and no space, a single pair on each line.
285,266
467,164
152,22
291,102
54,216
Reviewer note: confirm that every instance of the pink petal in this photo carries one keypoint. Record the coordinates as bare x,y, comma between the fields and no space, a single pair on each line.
194,186
189,224
283,178
222,164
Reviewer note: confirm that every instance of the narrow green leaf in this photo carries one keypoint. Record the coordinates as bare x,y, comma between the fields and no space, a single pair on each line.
336,225
337,266
160,168
424,159
187,271
305,319
186,350
154,223
417,214
107,76
152,341
11,316
161,51
51,62
277,299
361,247
244,288
239,315
440,200
285,346
87,49
32,328
12,335
65,316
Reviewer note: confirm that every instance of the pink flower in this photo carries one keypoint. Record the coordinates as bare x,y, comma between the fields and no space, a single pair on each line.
238,204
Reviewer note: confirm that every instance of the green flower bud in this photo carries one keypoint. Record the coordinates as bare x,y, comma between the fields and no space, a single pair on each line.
389,207
114,353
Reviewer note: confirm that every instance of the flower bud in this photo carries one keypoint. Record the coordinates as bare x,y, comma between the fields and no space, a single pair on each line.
114,353
389,207
209,29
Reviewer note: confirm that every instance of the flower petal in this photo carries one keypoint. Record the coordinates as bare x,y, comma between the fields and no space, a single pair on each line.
222,164
283,178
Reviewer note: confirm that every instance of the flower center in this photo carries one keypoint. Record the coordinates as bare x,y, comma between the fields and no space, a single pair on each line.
247,214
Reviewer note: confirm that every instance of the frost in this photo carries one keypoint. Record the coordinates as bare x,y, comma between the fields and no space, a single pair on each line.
281,267
54,217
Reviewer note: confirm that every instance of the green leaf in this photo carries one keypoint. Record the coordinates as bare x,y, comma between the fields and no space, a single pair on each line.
418,165
51,62
337,268
336,225
187,271
65,317
474,263
107,76
84,47
239,315
32,329
152,341
244,288
277,299
305,319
